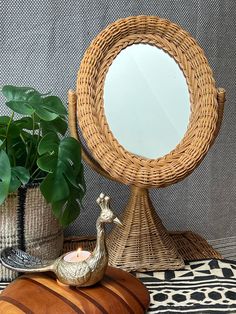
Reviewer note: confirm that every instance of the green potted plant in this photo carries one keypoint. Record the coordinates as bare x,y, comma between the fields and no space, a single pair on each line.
39,168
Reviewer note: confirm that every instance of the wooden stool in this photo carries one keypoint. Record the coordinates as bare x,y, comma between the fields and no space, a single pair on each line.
118,292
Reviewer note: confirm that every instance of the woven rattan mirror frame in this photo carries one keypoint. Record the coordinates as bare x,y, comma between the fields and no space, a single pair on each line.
144,243
121,164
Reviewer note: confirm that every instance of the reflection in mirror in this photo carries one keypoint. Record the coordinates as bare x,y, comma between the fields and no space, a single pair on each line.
146,101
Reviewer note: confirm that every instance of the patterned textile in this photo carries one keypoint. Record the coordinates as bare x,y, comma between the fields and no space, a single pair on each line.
205,286
3,285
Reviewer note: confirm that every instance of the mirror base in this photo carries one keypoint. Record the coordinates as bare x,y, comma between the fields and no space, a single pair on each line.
143,244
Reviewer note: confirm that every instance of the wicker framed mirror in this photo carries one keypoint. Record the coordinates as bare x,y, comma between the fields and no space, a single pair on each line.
146,101
144,243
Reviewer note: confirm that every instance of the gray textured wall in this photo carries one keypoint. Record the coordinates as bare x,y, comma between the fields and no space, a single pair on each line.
42,46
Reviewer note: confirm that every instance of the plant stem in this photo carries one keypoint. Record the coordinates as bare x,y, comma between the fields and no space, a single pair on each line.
33,174
22,138
37,175
36,151
14,160
31,143
7,130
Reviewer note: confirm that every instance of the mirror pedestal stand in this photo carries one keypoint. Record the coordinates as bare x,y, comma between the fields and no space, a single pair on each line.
143,243
143,235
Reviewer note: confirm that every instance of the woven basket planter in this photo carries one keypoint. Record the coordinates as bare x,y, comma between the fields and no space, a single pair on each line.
27,222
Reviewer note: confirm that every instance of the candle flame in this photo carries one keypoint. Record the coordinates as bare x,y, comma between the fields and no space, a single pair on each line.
78,251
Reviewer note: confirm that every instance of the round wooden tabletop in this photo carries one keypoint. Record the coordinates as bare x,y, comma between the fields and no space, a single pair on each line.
118,292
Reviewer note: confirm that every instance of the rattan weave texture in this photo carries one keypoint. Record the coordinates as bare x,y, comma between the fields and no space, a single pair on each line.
190,245
121,164
144,243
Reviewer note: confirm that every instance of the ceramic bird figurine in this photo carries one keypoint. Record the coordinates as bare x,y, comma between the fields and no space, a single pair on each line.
82,273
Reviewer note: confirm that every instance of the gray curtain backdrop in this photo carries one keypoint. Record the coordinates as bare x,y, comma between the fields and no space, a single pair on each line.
42,44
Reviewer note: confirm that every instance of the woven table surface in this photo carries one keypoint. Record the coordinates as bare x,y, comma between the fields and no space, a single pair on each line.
190,245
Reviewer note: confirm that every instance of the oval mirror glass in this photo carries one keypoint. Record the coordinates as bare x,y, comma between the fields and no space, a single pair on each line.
146,101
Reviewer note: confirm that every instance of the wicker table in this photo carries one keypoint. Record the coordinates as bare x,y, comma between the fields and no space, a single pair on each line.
190,245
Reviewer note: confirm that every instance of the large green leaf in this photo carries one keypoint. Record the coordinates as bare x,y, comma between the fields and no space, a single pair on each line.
54,104
19,176
26,123
81,182
20,99
66,211
71,209
45,114
12,92
26,100
17,151
13,131
55,187
5,176
8,129
21,107
64,186
57,208
58,125
49,144
67,150
61,158
4,120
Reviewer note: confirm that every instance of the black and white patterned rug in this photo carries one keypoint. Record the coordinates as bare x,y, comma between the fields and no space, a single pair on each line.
205,286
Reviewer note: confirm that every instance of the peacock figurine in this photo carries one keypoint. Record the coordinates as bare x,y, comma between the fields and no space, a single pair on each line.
81,273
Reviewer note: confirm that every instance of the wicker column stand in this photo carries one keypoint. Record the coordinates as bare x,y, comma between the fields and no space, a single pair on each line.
143,235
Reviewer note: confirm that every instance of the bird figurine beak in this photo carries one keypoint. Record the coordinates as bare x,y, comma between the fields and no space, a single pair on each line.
117,222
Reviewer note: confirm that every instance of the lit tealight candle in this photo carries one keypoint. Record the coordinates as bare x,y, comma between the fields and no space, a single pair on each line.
77,256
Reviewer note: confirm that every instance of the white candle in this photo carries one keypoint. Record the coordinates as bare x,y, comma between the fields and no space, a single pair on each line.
77,256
